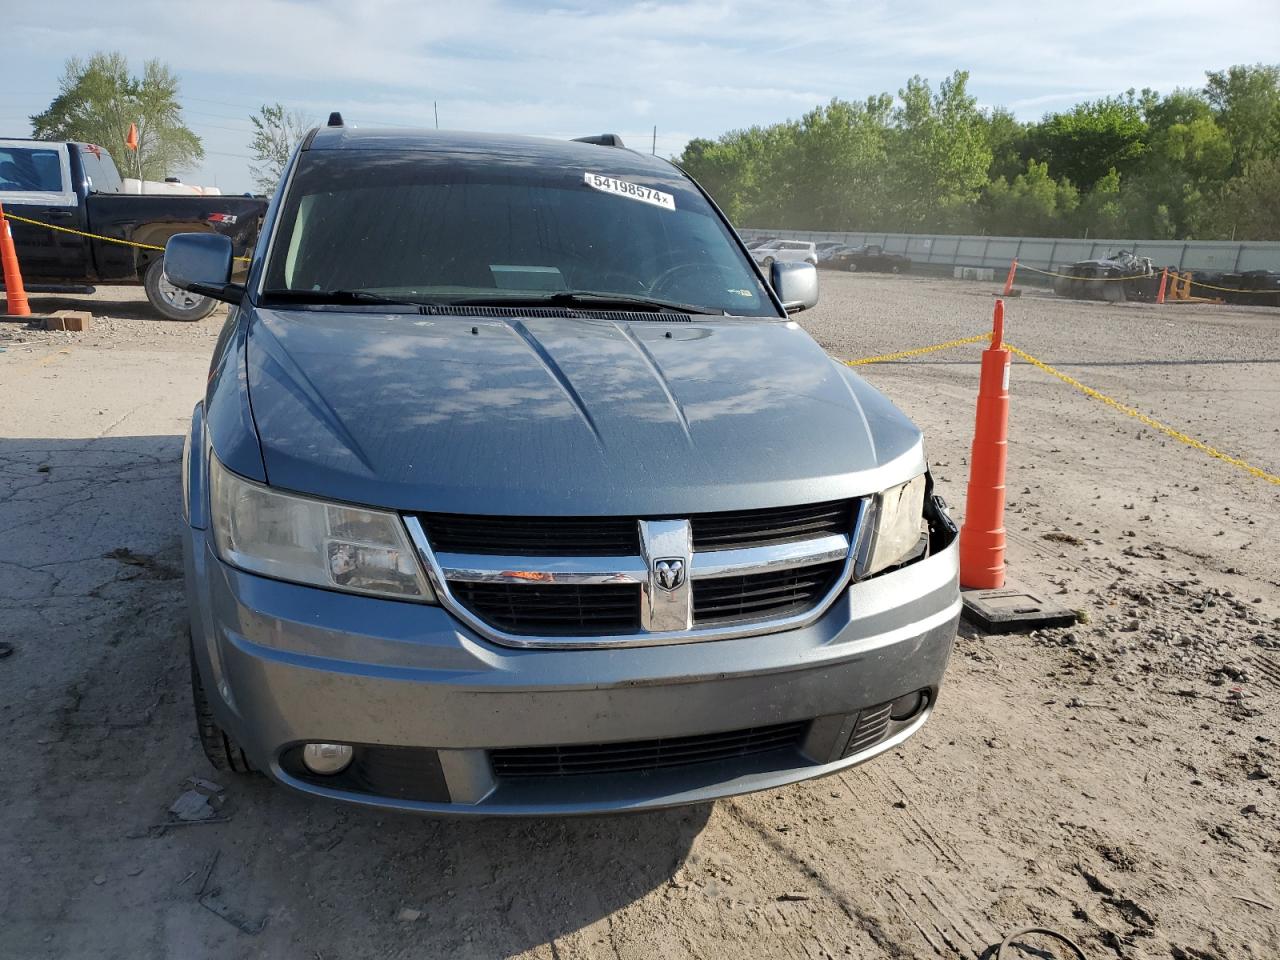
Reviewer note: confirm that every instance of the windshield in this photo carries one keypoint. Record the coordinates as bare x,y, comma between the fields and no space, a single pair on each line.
443,228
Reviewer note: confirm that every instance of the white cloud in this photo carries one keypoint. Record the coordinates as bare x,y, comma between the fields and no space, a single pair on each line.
588,65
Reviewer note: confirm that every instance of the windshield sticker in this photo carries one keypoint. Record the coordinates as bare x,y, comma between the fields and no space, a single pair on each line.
632,191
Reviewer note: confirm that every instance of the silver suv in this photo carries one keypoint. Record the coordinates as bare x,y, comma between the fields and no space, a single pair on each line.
534,501
785,251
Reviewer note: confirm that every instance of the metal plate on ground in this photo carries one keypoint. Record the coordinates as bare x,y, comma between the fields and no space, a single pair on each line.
1013,609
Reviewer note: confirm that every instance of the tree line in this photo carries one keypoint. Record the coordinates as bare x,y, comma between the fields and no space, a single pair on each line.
1191,164
99,99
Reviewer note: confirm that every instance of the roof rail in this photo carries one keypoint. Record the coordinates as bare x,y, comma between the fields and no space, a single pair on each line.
602,140
335,119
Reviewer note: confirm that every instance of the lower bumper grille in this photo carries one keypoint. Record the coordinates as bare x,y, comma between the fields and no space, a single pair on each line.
639,755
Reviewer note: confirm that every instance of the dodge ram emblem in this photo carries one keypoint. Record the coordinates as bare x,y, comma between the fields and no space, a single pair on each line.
669,572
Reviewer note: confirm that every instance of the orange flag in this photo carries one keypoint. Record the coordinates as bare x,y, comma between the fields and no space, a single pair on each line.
131,141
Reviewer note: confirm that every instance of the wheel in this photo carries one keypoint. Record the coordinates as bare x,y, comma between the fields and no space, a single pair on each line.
171,302
223,752
894,269
853,267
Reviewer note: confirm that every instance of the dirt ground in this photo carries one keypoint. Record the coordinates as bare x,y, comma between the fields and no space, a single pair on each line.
1116,780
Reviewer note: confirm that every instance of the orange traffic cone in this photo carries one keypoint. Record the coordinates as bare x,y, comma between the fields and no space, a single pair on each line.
16,304
1164,279
982,534
1008,281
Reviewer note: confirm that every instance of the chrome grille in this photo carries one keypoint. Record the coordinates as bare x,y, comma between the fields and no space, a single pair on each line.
581,582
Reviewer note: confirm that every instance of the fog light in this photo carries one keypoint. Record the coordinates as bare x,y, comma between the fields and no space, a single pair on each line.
906,707
326,758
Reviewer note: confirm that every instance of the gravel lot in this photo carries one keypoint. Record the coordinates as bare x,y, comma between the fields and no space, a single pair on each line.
1116,780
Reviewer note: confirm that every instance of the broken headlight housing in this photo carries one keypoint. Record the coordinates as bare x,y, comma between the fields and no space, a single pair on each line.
899,525
312,542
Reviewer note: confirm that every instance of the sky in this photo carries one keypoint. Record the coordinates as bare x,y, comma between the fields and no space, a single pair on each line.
698,68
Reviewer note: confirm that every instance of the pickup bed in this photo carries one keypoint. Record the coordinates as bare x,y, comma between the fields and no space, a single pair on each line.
77,185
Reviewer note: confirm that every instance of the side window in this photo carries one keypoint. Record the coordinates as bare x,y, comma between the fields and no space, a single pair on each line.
30,170
100,169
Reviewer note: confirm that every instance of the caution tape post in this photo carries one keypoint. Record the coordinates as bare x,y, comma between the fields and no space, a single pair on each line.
16,304
989,600
982,537
1008,290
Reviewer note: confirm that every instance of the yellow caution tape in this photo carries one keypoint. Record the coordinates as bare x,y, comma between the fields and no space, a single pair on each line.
1067,276
1173,275
1149,421
92,236
903,354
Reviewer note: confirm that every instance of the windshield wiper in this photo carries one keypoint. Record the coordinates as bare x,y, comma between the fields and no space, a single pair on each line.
335,296
581,298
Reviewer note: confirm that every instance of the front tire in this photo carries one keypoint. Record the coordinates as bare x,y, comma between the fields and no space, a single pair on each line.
171,302
853,267
223,752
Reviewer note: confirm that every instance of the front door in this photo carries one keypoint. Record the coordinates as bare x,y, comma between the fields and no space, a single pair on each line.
35,182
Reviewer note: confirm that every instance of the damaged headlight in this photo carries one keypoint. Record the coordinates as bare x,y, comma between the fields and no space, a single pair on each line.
296,538
899,525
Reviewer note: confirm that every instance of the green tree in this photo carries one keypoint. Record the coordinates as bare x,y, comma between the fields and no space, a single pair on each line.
1250,207
940,155
98,100
276,131
1034,204
839,159
1102,212
1246,100
1007,140
1087,141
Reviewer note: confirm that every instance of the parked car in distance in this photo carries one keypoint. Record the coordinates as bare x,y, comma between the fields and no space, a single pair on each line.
543,504
785,251
825,248
76,185
870,257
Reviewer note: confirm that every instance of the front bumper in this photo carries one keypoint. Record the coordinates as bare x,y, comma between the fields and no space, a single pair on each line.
284,664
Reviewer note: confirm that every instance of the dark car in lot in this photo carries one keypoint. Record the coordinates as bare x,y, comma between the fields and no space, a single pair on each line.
870,257
77,186
535,501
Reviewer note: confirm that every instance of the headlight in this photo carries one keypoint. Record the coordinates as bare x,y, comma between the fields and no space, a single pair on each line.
308,541
899,523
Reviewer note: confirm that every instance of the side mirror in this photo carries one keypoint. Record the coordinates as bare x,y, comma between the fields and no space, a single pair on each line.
201,263
796,285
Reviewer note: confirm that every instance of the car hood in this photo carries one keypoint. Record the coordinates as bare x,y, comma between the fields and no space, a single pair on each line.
565,415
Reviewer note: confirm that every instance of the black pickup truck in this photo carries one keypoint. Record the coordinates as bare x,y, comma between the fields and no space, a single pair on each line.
77,185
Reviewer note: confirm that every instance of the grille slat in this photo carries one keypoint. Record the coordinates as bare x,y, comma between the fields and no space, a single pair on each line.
756,528
533,536
639,755
768,595
562,609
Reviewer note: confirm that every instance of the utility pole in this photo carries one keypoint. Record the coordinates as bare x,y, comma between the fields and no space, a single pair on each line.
655,140
436,110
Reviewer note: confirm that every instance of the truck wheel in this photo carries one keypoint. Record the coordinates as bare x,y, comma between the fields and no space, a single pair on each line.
223,752
170,302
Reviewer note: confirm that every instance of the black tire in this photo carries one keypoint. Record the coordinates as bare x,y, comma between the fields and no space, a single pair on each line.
894,269
171,303
223,752
852,267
